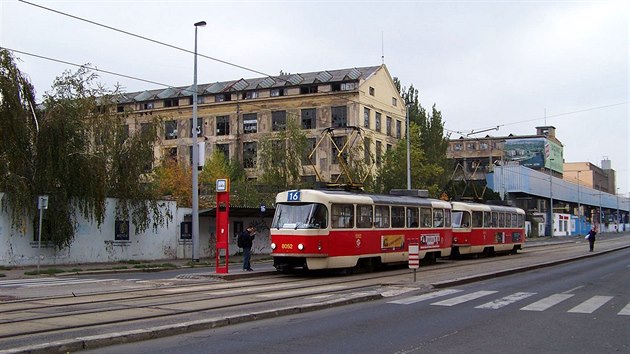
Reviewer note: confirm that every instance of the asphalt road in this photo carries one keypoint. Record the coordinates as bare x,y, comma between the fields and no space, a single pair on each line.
576,307
360,324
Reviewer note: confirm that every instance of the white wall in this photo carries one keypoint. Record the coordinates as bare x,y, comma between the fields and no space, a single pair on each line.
91,244
97,245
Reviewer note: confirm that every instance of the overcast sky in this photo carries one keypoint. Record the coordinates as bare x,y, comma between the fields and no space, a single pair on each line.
483,63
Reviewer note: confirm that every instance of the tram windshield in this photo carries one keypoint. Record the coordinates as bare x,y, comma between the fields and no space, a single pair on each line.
300,216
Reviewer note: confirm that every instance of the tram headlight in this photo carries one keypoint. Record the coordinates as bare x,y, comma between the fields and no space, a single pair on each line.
301,247
319,245
455,239
273,246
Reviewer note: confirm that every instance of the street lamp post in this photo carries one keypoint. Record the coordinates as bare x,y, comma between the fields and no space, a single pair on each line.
195,160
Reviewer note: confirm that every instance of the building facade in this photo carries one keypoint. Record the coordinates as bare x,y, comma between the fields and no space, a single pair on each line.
475,157
233,115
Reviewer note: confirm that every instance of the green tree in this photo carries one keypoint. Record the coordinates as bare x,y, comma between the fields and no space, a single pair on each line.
76,150
427,131
281,154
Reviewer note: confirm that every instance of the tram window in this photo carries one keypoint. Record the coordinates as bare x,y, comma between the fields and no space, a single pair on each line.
520,221
495,219
461,219
300,216
487,220
398,216
501,220
412,217
364,216
457,219
342,216
447,217
425,217
438,217
381,216
514,223
477,219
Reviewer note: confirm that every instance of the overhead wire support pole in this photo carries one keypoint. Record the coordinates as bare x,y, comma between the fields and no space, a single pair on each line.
408,148
195,160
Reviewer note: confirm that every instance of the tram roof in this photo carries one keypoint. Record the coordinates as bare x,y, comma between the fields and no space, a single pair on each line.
343,196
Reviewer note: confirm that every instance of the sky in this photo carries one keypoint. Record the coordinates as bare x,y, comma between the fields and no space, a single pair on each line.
512,64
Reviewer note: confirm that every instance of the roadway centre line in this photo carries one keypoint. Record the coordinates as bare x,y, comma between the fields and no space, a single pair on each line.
543,304
423,297
463,298
504,301
591,304
572,290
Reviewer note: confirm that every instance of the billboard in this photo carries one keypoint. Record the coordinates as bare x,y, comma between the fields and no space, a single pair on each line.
534,153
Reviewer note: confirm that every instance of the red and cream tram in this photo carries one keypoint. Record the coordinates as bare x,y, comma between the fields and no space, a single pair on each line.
334,229
481,228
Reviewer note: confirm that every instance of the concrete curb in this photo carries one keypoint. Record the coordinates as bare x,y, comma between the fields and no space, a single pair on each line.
103,340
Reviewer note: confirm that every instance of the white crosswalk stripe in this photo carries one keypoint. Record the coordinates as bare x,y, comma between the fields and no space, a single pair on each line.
423,297
549,301
591,304
625,311
588,306
504,301
463,298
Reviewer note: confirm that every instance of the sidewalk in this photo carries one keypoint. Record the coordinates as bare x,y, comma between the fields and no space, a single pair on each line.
29,272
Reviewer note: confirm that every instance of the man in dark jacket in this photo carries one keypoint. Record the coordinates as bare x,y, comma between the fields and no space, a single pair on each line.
591,238
244,241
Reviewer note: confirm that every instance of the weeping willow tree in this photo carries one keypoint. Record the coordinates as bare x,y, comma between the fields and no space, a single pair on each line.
74,148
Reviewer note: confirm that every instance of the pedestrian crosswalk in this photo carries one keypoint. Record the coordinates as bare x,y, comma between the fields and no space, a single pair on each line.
53,281
454,297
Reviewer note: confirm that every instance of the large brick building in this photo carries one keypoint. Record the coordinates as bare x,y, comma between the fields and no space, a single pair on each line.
232,115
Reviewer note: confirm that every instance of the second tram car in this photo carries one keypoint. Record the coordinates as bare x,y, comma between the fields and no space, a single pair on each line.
334,229
486,229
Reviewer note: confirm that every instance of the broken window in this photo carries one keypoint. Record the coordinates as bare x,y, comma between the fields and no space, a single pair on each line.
308,89
278,120
224,149
308,118
249,155
250,123
223,125
171,102
170,129
339,116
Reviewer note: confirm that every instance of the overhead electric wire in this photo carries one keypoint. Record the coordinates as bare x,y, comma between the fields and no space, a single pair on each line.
87,66
184,50
495,127
142,37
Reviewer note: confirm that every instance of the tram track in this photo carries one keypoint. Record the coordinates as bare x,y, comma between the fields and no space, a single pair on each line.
39,316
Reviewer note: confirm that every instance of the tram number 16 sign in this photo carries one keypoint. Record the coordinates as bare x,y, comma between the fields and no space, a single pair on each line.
414,256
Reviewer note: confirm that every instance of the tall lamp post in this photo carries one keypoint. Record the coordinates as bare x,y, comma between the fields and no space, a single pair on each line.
195,160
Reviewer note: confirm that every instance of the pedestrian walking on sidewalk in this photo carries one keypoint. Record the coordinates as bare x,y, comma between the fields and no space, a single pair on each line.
244,241
591,239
